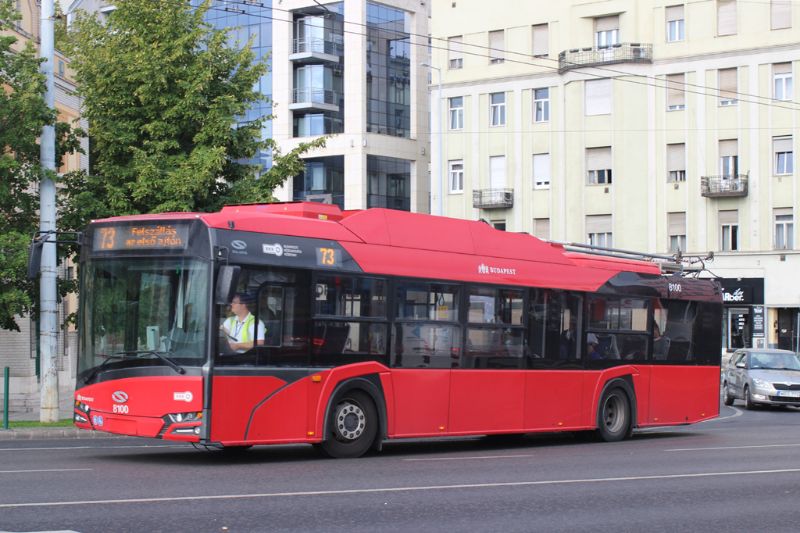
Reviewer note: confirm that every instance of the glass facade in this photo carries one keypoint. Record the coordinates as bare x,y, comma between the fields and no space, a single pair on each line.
249,22
388,71
389,183
321,181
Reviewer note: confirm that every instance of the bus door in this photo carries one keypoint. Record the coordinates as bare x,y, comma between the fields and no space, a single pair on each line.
555,388
260,389
488,384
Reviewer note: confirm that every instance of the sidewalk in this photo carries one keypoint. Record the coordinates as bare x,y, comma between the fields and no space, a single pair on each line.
52,433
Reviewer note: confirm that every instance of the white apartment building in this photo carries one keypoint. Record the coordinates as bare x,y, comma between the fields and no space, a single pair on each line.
351,70
654,126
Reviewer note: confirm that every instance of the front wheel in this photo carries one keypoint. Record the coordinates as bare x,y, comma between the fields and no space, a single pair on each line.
727,397
614,415
352,426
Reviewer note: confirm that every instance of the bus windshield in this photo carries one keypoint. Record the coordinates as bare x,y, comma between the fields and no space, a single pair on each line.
143,312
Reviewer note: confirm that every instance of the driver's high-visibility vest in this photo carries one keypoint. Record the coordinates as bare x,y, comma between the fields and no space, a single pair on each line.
241,330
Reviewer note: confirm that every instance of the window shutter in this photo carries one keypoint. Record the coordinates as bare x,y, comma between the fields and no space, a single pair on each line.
541,168
598,158
541,228
728,148
676,156
782,144
780,14
782,211
674,13
727,83
729,216
676,87
598,97
454,44
676,223
540,40
598,224
497,172
496,43
782,68
606,23
726,17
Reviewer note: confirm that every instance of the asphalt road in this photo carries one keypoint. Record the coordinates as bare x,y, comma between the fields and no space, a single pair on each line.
740,472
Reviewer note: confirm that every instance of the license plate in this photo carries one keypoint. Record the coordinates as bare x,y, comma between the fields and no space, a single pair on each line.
789,393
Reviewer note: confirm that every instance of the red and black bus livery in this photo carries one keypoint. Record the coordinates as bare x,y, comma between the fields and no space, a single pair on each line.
380,324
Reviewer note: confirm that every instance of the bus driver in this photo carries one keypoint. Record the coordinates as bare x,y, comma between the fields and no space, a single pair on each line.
239,327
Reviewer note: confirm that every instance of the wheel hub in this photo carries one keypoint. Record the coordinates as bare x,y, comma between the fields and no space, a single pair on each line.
350,421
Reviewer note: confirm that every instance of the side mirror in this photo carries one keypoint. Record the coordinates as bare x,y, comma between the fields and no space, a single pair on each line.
35,259
227,279
740,364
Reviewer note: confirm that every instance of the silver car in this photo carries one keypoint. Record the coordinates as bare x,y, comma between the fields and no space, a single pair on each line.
758,376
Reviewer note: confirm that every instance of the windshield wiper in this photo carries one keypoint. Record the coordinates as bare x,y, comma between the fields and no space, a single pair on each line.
161,355
108,357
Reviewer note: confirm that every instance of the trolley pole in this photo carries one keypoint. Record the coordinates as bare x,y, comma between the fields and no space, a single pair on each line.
48,411
6,393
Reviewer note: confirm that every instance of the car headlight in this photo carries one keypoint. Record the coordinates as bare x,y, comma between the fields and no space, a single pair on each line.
761,384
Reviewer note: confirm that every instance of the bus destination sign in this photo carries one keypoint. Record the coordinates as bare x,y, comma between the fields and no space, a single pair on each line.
156,236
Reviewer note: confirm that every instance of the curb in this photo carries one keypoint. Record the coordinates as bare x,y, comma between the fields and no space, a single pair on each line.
51,433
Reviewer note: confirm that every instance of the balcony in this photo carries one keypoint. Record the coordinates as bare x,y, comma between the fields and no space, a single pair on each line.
733,186
315,99
607,55
493,198
316,51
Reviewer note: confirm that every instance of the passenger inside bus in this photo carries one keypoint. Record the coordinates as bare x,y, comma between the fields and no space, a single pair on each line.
240,328
660,344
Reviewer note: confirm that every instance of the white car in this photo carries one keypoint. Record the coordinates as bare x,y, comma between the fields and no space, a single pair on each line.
762,377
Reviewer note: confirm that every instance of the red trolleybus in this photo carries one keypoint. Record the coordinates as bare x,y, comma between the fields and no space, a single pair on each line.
379,324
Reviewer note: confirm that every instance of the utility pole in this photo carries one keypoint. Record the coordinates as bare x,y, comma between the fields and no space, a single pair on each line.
48,326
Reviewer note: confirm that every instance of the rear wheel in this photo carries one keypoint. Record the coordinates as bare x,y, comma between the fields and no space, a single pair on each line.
352,426
727,397
748,401
614,415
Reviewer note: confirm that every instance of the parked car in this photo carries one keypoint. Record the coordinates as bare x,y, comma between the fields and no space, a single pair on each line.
759,376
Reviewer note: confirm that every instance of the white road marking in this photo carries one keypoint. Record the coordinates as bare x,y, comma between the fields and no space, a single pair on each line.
94,447
717,448
43,470
472,458
385,490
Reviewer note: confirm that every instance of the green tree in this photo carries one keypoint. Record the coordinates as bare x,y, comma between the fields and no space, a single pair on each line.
163,93
23,113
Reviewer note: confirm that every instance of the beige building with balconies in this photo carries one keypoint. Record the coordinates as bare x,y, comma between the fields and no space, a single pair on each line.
654,126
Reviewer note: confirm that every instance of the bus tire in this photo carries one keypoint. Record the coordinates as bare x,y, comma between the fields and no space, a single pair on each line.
353,425
727,398
614,415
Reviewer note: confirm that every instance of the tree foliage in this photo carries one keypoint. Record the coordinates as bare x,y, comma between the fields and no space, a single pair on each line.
23,114
163,93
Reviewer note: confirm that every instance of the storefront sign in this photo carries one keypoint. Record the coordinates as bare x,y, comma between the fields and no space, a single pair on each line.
758,321
742,290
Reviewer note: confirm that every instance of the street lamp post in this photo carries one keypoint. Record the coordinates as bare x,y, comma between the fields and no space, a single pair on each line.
439,140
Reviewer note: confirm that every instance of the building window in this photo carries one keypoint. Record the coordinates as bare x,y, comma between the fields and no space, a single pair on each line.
598,231
388,182
606,31
726,17
496,47
541,228
729,230
541,171
676,162
675,24
456,173
455,53
676,229
497,172
456,112
784,155
540,40
784,229
598,166
676,92
388,57
499,225
727,86
780,14
541,105
729,158
782,81
598,97
497,109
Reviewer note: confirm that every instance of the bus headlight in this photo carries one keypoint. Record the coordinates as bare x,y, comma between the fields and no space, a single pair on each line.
176,418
